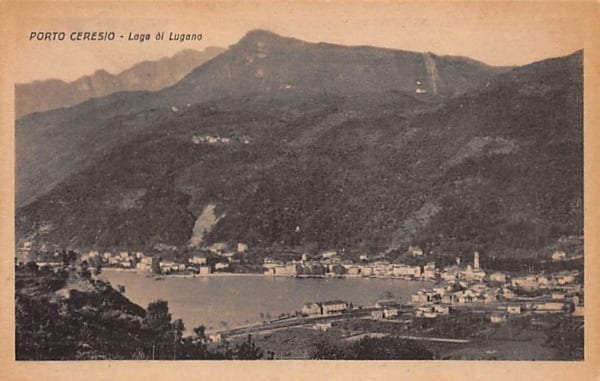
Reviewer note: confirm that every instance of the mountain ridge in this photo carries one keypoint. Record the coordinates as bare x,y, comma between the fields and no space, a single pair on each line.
44,95
497,167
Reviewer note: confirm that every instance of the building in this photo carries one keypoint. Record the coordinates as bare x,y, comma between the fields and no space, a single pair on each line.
429,271
527,282
559,256
205,270
242,247
333,307
405,271
498,318
514,310
415,251
328,254
498,277
558,295
549,307
218,247
385,313
198,260
476,261
441,309
322,326
311,309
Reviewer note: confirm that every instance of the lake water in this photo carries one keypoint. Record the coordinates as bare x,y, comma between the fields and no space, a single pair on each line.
230,301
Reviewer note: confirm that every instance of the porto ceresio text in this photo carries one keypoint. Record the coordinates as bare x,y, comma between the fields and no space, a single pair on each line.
112,36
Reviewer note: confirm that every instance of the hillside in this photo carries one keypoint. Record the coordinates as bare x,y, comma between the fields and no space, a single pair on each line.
496,167
50,94
276,72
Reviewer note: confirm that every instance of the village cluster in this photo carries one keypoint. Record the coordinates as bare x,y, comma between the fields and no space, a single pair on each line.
459,287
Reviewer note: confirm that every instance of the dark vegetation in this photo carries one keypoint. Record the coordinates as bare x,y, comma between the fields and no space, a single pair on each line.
495,164
67,315
368,348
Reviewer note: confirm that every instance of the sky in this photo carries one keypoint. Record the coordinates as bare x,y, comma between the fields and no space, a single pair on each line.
495,33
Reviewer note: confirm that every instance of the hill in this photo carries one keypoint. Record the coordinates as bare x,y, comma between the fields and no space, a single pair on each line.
50,94
497,167
276,72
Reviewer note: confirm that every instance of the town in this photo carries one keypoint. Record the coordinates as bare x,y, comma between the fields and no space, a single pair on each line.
451,293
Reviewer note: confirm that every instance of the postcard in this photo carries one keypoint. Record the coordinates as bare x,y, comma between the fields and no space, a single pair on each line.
300,190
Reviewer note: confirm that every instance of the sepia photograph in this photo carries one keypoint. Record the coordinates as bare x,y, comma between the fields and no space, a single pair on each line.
310,181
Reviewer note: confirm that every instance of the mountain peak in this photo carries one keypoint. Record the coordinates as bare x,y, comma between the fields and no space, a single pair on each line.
261,38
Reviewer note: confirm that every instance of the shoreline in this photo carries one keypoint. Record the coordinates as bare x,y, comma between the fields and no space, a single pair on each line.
227,275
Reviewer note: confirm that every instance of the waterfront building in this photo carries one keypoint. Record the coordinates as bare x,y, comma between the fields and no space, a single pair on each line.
311,309
333,307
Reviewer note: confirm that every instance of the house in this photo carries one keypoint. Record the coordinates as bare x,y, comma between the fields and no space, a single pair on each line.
333,307
559,256
377,314
221,266
497,318
218,247
507,293
449,299
441,309
322,326
498,277
527,282
311,309
353,271
405,271
545,281
242,247
328,254
366,271
514,310
385,313
429,271
578,311
198,260
549,307
205,270
415,251
558,295
390,312
566,278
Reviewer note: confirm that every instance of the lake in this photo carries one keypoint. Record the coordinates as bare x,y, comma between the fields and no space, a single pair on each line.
230,301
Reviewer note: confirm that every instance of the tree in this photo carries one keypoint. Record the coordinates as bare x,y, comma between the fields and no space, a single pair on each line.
158,323
248,350
156,264
200,332
178,327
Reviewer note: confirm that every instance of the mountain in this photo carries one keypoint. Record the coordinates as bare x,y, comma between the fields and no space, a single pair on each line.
50,94
491,160
293,72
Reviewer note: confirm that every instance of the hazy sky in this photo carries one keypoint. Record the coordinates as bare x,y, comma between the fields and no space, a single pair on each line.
495,33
